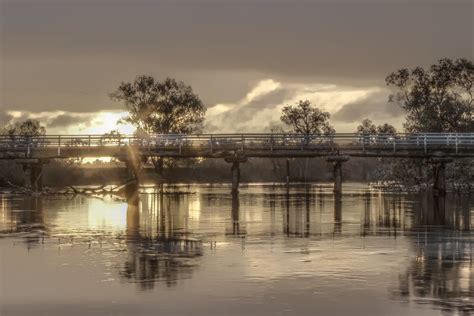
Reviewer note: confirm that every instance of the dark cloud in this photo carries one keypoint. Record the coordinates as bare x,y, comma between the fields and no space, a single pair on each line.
237,118
5,118
67,119
68,55
375,107
270,100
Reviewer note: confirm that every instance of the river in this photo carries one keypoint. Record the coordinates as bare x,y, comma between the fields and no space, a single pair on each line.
200,250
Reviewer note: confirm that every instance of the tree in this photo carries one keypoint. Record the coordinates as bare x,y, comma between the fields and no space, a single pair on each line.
28,128
162,107
112,137
386,129
305,118
19,134
366,128
369,132
439,99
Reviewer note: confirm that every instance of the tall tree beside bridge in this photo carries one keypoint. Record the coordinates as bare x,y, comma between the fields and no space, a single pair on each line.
17,132
367,127
369,132
26,128
306,118
162,107
437,99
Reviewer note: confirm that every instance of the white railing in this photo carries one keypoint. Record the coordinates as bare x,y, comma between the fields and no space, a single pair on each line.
269,142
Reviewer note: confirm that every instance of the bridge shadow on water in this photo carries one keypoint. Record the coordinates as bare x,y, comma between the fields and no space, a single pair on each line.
166,235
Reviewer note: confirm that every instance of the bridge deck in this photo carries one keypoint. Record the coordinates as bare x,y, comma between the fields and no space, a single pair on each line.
249,145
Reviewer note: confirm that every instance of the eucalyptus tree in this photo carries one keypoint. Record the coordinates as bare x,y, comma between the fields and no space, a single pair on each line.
27,128
160,107
437,99
306,118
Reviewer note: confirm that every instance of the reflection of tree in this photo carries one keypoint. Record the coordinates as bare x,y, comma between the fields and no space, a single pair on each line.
237,228
383,216
441,273
28,218
159,252
337,214
296,221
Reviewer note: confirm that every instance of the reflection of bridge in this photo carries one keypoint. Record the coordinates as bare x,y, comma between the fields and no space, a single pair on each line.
439,148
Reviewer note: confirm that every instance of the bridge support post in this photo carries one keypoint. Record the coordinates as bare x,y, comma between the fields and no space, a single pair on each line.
235,170
33,173
337,171
133,163
439,174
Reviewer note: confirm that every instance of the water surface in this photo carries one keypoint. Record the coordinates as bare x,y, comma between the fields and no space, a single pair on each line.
200,250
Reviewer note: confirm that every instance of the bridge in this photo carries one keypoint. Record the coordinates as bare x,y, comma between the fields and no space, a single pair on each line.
436,148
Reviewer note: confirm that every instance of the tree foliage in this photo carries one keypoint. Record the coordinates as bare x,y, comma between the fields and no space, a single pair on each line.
367,127
162,107
386,129
306,118
28,128
438,99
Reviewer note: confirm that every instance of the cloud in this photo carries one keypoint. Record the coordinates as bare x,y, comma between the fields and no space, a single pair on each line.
5,118
219,47
258,113
252,112
60,122
67,119
374,106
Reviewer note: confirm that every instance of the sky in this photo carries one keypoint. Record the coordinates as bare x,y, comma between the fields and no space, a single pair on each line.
60,59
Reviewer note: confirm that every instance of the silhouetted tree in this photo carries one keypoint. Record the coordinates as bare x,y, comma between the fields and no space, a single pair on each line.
162,107
113,136
306,118
26,128
366,128
386,129
438,99
18,134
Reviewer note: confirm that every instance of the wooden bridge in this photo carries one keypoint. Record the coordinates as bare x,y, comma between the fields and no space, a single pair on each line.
437,148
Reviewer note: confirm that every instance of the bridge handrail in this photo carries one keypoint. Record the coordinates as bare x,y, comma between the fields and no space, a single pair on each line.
261,140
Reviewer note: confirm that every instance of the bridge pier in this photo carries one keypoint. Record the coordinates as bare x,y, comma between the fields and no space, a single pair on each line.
133,163
439,174
33,173
235,170
287,178
337,171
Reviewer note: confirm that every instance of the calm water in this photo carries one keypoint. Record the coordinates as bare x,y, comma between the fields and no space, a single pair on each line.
203,251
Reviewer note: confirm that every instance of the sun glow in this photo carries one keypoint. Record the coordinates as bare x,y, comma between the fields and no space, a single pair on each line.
105,122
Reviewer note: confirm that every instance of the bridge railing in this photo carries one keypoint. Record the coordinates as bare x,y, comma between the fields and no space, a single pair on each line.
213,142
